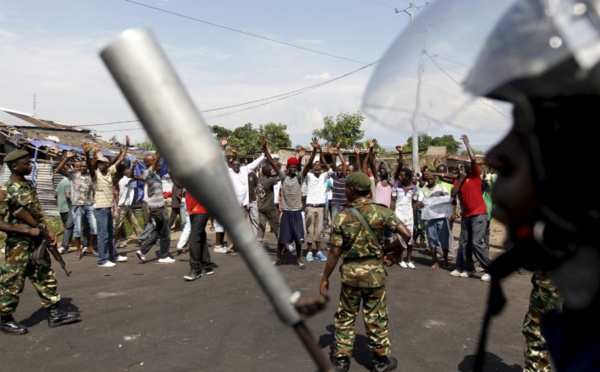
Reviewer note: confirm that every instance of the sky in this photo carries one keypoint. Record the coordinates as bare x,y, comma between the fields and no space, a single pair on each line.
240,61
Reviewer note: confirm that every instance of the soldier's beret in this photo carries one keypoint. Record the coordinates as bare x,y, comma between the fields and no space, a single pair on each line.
15,155
358,181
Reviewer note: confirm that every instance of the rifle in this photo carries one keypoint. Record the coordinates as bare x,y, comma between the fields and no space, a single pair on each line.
45,244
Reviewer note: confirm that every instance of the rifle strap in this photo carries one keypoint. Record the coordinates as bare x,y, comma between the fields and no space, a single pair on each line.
369,231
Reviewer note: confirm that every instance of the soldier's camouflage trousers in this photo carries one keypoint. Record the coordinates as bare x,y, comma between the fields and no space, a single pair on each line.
544,298
18,265
375,315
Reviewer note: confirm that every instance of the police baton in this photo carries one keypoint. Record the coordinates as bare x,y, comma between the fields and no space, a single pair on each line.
157,96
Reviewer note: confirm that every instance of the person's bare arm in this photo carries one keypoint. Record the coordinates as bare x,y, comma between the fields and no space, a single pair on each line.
60,168
400,162
88,160
371,157
469,151
263,143
122,153
316,147
342,158
332,260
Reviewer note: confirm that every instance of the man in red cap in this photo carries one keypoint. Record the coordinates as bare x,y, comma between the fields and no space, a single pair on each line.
291,225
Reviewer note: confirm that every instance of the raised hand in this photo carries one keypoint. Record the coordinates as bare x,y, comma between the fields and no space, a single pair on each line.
399,148
372,143
224,141
330,149
86,147
315,143
301,152
339,144
127,143
357,149
69,154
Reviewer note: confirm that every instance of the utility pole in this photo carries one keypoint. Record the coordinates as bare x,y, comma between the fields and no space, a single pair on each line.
415,135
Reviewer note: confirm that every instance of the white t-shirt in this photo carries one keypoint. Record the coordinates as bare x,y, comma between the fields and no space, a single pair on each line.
404,200
316,187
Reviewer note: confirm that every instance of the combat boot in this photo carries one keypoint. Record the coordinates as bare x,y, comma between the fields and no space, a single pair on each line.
58,317
10,326
383,363
342,364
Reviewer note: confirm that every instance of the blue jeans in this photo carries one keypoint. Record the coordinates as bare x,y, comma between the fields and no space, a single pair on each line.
68,225
79,211
335,209
106,235
471,243
438,233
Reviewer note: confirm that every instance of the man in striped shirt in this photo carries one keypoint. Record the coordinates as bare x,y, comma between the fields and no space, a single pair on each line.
157,207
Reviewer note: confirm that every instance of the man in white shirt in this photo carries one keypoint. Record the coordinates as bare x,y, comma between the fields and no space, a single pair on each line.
238,174
126,194
315,202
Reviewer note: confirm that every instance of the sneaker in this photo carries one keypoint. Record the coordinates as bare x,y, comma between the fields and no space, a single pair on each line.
411,265
62,250
120,258
291,248
403,264
193,275
382,364
486,277
321,256
122,244
166,260
219,249
455,273
140,255
342,363
466,274
107,264
309,257
479,269
208,271
231,253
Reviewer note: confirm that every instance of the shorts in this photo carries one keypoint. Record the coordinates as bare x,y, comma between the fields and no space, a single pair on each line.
291,227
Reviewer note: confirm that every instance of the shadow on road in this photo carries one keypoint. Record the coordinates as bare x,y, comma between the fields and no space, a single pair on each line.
492,363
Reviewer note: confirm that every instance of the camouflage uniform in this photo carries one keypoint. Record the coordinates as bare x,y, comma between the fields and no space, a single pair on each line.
363,277
544,298
19,249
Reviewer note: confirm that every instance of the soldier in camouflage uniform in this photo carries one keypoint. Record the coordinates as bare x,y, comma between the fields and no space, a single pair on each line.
544,299
19,193
363,275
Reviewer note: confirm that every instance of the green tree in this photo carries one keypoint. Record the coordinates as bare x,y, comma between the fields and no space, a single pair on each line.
346,127
452,145
147,144
246,139
220,132
276,136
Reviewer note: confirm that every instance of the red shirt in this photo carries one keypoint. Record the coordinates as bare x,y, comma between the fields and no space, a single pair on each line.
193,207
471,195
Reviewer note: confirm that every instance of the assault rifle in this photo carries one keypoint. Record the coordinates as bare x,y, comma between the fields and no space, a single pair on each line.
45,244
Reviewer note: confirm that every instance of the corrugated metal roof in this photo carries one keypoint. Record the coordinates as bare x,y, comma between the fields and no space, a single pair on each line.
10,120
46,182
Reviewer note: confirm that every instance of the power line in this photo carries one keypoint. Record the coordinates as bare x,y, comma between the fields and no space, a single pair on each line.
244,32
268,100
